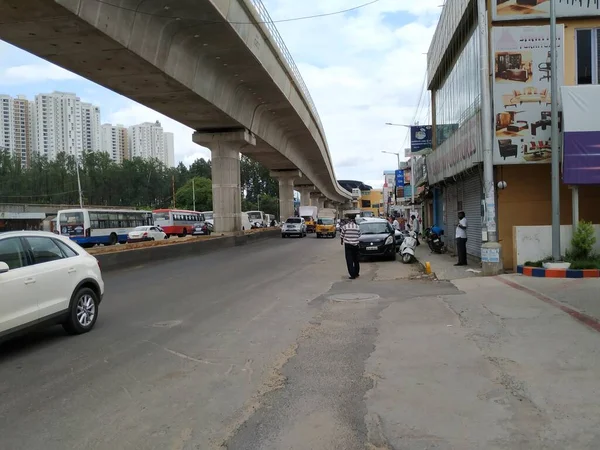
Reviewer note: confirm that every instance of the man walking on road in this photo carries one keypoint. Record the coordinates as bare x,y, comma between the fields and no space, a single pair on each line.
350,234
414,226
461,239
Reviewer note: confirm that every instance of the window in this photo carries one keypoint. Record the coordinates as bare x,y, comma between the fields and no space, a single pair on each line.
44,249
67,251
12,253
588,57
365,203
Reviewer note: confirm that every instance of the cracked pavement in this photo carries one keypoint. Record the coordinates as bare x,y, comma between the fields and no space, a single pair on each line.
269,346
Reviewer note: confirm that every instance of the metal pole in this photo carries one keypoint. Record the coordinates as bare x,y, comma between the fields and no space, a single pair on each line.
194,192
412,180
486,124
554,136
575,207
78,182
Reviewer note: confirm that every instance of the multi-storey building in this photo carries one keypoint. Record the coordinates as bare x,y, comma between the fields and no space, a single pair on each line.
90,122
169,149
516,36
148,141
16,127
115,142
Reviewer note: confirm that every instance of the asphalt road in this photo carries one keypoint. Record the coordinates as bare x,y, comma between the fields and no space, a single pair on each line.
270,346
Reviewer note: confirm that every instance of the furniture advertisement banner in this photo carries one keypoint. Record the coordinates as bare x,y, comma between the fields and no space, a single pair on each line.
521,92
540,9
581,154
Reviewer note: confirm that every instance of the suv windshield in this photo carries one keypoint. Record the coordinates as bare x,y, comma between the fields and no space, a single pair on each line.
374,227
294,220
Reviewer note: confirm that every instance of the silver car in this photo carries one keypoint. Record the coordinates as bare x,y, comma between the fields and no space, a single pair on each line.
294,226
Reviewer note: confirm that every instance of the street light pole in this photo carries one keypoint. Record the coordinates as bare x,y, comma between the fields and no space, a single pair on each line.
554,136
78,181
395,187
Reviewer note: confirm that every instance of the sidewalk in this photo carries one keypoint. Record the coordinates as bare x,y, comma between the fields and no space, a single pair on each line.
443,265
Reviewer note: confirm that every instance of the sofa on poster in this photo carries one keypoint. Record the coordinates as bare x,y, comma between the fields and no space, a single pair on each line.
540,9
521,93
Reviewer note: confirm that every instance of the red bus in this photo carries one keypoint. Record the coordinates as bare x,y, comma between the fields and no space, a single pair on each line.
176,222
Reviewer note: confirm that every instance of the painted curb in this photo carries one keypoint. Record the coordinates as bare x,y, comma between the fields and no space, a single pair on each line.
557,273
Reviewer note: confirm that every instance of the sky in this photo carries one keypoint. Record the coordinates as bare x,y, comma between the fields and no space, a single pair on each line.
363,68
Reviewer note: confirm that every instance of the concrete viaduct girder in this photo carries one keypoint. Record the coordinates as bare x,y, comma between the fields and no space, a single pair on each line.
209,64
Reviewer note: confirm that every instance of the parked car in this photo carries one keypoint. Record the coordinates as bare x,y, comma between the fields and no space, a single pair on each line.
47,279
377,238
146,233
294,226
201,229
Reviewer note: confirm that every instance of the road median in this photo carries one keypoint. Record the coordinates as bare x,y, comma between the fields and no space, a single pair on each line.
115,258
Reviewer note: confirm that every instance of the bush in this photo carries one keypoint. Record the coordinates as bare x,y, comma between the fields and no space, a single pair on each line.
539,263
582,243
585,264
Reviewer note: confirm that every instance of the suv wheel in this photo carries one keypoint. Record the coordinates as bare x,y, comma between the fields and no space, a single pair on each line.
83,312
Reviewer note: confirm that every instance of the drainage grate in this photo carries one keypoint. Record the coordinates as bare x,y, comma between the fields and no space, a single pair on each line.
353,297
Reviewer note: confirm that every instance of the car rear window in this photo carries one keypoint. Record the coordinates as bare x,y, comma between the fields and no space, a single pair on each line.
294,221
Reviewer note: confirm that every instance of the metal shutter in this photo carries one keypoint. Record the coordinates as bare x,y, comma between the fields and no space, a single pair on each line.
450,219
472,196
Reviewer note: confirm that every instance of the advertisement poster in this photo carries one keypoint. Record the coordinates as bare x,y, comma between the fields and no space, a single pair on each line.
521,92
420,138
581,153
540,9
399,178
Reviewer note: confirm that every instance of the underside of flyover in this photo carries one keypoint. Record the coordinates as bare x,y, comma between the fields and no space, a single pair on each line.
216,73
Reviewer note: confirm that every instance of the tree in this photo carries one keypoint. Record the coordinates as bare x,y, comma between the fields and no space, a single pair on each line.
203,191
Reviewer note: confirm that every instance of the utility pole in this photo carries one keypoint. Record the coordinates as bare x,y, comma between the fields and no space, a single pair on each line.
194,193
491,251
173,188
554,137
78,181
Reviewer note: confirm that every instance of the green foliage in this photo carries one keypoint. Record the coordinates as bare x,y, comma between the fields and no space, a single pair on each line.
592,263
137,183
203,191
539,263
582,242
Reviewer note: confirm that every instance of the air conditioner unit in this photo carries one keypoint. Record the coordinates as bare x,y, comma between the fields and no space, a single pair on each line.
355,193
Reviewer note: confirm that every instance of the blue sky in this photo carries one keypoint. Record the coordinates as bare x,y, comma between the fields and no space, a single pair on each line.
362,68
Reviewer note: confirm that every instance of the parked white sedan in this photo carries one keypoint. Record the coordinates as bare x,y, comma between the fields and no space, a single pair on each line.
146,233
47,279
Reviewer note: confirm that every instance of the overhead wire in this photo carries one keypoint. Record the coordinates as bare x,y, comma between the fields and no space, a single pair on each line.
213,22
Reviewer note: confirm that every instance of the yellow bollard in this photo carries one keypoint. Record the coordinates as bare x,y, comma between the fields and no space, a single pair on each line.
427,268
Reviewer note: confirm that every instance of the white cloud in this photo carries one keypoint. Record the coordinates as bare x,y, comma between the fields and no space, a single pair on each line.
35,73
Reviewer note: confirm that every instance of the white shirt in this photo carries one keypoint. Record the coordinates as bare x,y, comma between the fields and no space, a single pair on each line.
462,232
396,224
415,225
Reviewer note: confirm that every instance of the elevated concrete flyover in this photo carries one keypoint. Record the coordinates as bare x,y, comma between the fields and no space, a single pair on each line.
217,66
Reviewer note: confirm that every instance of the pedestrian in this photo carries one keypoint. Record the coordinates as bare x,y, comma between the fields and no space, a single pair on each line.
396,224
461,239
350,234
414,226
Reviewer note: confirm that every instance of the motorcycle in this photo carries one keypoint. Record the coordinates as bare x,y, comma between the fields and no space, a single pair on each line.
407,249
434,241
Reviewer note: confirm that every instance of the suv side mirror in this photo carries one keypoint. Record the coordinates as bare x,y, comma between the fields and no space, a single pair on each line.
4,267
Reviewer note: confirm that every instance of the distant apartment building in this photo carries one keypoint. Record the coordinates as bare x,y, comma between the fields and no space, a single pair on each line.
115,142
148,141
169,147
16,127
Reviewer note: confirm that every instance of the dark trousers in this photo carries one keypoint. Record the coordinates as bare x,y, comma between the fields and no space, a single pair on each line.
352,260
461,250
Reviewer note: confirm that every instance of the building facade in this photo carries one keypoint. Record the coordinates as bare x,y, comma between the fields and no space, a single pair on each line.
115,142
518,45
146,141
16,133
169,149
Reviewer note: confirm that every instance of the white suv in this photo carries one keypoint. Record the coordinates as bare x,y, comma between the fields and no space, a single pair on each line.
46,279
294,226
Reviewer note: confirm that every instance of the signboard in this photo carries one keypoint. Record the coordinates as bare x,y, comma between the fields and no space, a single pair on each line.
581,155
399,178
420,138
456,154
540,9
522,94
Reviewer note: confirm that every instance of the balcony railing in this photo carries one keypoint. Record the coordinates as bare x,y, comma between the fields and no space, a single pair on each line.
278,40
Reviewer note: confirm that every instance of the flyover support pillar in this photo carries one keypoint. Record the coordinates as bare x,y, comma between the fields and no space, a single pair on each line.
305,196
226,180
286,192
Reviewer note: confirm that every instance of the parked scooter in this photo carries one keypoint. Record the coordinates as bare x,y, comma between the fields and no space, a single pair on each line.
434,240
407,249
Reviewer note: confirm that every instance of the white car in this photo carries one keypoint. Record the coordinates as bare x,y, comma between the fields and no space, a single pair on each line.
294,226
47,279
146,233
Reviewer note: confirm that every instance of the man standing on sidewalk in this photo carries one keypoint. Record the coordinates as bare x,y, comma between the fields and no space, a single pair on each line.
461,239
350,234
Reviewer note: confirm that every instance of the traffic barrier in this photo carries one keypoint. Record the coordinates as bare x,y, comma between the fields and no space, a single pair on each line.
557,273
139,256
